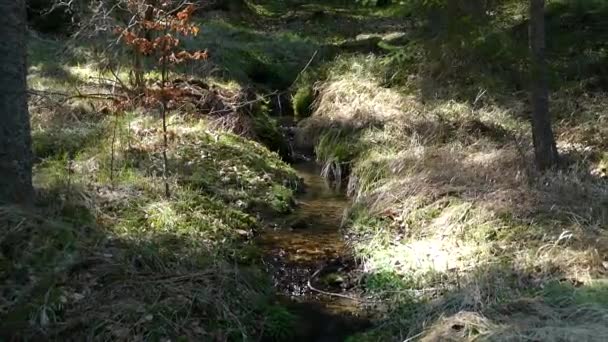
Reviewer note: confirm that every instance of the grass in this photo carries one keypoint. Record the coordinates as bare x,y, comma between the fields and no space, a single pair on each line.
251,56
271,42
459,237
100,239
104,255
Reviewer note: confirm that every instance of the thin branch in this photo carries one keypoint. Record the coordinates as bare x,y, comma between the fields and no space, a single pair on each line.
303,70
67,97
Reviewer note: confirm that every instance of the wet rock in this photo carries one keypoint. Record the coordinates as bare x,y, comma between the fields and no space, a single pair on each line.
299,223
333,279
363,43
244,234
396,38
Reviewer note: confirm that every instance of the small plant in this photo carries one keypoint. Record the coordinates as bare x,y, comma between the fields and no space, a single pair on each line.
156,35
280,199
279,323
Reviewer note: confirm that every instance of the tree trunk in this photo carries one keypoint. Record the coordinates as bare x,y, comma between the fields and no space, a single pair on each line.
15,139
163,112
544,142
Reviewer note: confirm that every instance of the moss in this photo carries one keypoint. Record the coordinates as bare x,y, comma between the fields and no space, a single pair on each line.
385,281
302,102
279,324
242,53
280,199
267,131
594,294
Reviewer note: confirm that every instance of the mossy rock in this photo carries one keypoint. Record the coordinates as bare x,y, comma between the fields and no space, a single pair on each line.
298,223
333,279
302,101
363,44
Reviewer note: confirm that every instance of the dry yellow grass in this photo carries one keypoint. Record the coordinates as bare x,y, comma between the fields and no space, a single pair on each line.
447,200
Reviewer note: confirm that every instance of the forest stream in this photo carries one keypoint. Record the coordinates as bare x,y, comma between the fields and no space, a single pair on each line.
312,270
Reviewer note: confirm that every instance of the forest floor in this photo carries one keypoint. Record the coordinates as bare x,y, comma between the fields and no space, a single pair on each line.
455,235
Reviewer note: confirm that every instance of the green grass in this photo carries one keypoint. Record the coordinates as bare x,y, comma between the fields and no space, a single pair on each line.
270,44
248,55
68,140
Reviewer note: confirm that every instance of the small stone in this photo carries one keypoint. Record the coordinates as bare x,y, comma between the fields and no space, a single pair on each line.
242,232
333,279
299,223
396,38
77,296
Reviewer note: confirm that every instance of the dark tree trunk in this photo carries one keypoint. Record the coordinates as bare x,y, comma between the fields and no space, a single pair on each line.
544,142
15,139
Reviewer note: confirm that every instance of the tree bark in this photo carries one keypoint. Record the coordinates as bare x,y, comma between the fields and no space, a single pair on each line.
15,139
544,142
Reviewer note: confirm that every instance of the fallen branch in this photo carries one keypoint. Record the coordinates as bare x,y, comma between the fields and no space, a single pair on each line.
67,97
303,70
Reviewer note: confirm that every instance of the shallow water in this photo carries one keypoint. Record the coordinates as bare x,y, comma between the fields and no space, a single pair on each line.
313,230
307,255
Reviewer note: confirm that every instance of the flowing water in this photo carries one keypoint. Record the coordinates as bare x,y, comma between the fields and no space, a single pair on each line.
310,263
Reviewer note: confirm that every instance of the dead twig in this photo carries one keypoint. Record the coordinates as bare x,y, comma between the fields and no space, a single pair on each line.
304,69
67,97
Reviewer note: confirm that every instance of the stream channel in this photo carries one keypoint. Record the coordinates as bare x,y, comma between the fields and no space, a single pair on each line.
312,271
